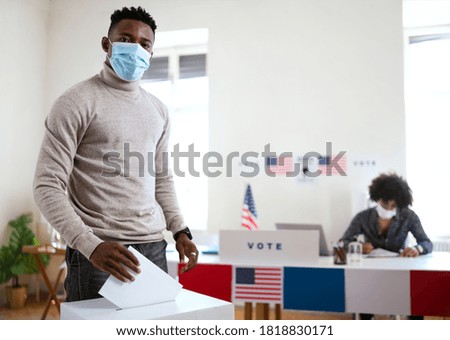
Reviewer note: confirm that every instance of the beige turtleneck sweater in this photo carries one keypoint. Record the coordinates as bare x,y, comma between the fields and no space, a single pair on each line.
99,175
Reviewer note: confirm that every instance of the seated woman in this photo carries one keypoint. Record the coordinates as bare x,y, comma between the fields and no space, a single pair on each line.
387,225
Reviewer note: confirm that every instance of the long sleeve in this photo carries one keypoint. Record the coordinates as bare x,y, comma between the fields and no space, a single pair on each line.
420,235
64,128
355,228
366,223
164,187
92,180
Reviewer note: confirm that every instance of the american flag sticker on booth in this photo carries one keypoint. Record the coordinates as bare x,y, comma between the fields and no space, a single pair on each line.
258,284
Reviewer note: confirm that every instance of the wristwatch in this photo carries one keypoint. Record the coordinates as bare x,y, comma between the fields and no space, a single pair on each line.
419,248
183,231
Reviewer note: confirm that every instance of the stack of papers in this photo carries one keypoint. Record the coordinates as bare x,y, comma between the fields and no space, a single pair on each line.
152,285
380,252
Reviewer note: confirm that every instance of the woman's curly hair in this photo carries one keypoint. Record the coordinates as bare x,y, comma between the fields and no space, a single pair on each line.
388,187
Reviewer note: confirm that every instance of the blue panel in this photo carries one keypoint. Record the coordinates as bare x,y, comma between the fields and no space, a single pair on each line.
315,289
245,275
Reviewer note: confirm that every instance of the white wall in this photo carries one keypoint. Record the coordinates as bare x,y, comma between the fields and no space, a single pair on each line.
22,95
298,75
293,73
23,63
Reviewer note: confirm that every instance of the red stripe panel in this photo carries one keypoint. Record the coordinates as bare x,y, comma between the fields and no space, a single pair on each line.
209,279
430,293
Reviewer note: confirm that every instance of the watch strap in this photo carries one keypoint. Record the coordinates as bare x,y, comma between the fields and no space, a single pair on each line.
419,248
183,231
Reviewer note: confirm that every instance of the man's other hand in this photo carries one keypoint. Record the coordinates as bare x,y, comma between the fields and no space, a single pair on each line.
113,258
186,248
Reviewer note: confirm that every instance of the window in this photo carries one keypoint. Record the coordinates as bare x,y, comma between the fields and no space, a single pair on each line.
178,77
427,94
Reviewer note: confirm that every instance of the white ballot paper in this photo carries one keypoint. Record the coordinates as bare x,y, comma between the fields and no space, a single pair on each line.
152,285
380,252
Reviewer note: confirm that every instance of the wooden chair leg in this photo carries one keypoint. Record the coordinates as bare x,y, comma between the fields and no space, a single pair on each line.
49,303
51,299
262,311
248,311
278,311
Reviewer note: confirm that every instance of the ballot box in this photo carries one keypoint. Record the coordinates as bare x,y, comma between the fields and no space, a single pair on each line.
187,306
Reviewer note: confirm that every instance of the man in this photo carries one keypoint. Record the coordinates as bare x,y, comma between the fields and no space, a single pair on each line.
101,178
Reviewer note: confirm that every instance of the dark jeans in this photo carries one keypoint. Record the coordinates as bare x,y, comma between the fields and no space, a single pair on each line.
84,281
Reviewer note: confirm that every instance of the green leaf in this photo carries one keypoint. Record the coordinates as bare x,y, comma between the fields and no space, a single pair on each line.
12,261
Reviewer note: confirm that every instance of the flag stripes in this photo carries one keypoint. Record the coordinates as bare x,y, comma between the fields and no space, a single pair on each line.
260,284
280,165
249,217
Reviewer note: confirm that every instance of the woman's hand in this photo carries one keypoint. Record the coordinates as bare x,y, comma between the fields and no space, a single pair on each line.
409,252
367,247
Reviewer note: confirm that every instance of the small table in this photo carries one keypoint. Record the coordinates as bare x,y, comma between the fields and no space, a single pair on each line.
47,249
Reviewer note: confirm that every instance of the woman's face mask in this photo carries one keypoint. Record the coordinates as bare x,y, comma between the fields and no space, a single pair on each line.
384,213
129,60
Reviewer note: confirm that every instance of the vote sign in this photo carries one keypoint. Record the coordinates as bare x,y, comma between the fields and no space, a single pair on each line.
276,247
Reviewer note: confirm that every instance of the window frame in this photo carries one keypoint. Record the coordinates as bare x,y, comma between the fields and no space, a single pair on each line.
415,32
173,54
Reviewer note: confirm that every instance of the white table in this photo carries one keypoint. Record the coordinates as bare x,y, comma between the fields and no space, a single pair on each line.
404,286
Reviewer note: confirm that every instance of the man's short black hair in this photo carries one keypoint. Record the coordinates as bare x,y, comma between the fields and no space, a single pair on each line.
132,13
388,187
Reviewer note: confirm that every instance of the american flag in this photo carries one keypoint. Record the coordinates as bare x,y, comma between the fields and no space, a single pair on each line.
334,165
280,165
260,284
249,217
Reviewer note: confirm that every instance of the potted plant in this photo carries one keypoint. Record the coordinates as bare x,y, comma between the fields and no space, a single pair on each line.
14,263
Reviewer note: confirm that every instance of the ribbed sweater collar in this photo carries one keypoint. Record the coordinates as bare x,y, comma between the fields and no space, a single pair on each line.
110,78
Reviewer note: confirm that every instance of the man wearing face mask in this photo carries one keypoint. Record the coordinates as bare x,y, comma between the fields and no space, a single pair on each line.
387,225
102,179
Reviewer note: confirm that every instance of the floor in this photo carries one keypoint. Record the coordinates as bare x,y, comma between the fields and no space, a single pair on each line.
33,311
296,315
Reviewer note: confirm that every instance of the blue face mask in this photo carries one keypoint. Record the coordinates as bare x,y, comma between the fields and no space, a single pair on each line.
129,60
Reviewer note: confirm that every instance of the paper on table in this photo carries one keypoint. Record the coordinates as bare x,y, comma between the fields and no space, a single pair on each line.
380,252
152,285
